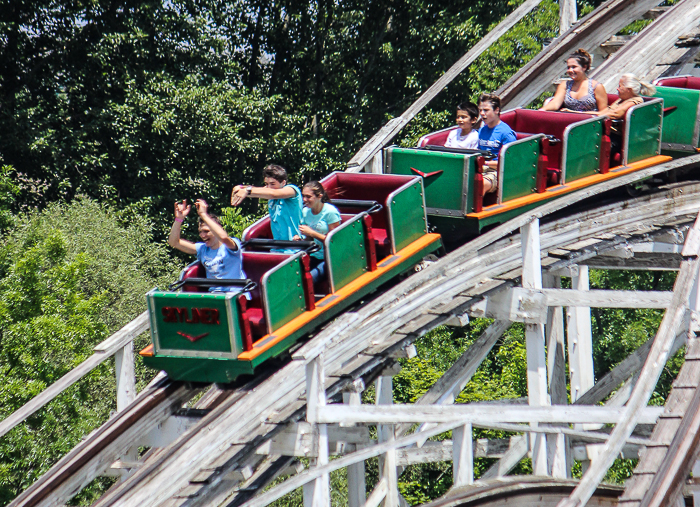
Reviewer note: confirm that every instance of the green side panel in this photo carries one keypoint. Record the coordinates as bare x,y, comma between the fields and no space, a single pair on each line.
443,190
520,169
200,369
583,150
679,124
188,322
347,253
644,130
408,215
285,294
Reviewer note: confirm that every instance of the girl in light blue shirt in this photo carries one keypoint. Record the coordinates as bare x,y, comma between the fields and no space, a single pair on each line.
318,218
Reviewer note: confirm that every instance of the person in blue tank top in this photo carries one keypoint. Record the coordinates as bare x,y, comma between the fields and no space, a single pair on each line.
493,134
283,201
219,253
319,217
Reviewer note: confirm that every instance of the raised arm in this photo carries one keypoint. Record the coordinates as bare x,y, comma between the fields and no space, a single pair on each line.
216,229
558,99
174,239
240,192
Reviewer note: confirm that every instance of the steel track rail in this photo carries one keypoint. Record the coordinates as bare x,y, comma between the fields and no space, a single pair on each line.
358,342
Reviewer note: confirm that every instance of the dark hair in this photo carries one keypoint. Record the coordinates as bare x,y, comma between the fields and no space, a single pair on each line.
582,57
275,171
317,188
470,108
494,99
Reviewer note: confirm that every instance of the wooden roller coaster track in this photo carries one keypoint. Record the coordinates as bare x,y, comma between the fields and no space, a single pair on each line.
216,460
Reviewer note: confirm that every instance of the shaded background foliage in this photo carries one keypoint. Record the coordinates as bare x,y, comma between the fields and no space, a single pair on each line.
141,102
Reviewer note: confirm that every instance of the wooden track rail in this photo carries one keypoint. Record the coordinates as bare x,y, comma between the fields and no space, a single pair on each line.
216,461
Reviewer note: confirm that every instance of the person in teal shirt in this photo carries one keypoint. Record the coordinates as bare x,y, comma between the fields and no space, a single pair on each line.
318,218
284,201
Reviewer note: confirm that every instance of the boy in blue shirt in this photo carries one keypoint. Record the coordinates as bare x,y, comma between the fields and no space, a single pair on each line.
493,134
219,253
284,201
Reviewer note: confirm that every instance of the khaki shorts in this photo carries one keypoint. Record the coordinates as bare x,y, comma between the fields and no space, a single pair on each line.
491,177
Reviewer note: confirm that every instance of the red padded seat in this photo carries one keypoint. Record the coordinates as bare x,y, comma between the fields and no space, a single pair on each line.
552,123
257,322
688,82
194,270
255,265
382,243
260,229
438,138
368,187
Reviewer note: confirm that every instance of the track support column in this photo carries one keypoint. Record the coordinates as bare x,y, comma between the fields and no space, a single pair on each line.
534,336
580,339
557,445
567,15
694,306
126,383
317,492
357,493
462,456
385,433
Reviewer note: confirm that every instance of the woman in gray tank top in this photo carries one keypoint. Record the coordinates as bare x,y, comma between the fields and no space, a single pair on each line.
580,93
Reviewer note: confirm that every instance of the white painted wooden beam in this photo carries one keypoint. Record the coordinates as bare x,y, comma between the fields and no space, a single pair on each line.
385,434
529,305
463,456
580,337
558,453
357,492
126,381
378,494
479,414
317,492
300,439
567,15
535,342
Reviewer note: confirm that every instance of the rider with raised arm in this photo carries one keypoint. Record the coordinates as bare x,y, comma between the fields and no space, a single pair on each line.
284,201
219,253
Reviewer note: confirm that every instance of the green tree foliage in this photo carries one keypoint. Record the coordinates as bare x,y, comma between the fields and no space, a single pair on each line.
142,102
70,276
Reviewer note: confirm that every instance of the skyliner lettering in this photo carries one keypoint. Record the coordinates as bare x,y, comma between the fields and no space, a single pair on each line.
198,315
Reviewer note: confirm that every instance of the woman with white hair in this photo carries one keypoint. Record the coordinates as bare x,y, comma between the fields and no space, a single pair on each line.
629,90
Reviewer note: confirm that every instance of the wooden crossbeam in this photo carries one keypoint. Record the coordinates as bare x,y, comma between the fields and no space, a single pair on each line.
477,413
